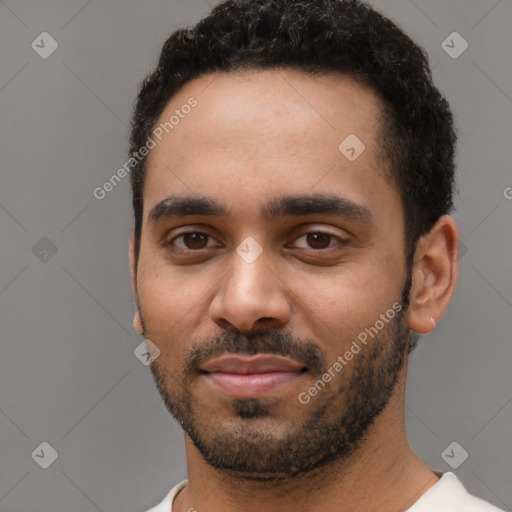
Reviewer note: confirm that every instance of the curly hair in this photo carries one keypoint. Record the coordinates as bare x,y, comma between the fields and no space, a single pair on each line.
417,136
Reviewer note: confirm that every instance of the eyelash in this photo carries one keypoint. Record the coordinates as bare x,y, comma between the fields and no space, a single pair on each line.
180,249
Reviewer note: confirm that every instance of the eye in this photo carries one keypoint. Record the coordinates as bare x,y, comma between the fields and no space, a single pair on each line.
191,241
319,240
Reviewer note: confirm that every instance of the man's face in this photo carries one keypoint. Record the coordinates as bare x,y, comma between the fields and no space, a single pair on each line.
251,308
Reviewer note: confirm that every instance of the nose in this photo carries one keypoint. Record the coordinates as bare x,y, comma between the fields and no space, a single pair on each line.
250,297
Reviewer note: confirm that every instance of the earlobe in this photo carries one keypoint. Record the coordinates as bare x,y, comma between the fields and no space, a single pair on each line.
131,255
434,275
137,322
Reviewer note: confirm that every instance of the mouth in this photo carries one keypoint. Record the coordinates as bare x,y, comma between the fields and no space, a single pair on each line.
251,376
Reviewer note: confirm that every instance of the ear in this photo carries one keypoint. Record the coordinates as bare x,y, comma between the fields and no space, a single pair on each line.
434,275
137,322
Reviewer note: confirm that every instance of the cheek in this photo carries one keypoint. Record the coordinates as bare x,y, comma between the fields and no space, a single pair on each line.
173,300
341,302
165,301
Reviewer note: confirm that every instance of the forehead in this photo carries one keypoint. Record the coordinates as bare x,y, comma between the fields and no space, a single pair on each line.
267,132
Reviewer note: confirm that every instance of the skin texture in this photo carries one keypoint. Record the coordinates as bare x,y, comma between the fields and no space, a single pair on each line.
253,136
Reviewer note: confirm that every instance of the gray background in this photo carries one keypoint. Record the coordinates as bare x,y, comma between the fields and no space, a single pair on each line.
68,373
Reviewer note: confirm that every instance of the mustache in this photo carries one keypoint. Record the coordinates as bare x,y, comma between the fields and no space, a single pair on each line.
263,342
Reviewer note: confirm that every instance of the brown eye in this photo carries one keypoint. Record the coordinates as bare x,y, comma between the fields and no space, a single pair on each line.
191,241
318,240
195,240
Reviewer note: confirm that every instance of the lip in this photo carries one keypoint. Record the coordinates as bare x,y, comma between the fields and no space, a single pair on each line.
251,376
243,365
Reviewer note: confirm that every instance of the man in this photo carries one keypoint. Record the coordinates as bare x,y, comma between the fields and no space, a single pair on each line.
293,175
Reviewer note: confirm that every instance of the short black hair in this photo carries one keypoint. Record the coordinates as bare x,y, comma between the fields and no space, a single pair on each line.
417,134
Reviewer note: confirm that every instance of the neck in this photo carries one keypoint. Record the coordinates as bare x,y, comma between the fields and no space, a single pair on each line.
384,473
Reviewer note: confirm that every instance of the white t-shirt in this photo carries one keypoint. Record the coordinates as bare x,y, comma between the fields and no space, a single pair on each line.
447,495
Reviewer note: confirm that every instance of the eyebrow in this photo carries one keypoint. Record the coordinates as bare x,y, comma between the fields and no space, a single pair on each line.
175,206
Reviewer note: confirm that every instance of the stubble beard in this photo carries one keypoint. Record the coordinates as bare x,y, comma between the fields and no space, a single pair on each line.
257,445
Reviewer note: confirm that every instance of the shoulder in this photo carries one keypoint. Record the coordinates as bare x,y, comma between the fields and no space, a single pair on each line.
166,504
450,495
